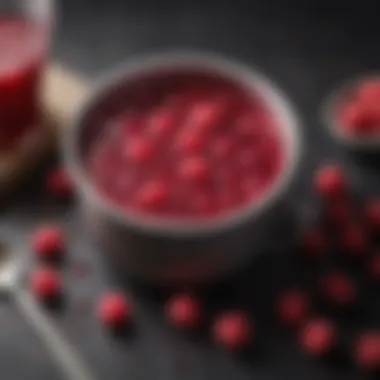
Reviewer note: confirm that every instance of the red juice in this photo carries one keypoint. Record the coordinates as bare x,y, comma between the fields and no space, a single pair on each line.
22,52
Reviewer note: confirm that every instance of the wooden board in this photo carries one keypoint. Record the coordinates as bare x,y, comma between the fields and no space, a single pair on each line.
62,92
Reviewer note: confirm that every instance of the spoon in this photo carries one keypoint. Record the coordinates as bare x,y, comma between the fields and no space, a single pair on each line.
65,355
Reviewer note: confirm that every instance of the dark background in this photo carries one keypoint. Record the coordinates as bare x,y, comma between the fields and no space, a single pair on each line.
308,48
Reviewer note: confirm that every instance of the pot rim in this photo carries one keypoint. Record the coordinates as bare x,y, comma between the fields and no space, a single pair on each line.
248,78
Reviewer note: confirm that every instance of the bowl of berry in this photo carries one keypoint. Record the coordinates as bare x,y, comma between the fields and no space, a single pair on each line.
352,113
182,162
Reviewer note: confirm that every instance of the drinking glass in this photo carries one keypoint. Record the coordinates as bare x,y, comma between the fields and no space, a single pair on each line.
25,38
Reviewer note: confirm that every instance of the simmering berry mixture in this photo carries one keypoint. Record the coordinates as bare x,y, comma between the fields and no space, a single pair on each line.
186,145
22,49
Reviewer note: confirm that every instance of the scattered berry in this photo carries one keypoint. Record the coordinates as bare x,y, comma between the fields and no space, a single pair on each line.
314,244
330,182
372,214
339,290
114,310
354,241
46,284
367,351
48,242
184,311
59,184
232,330
292,308
318,337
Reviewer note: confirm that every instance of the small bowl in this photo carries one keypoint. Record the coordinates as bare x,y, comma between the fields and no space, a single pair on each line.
164,251
368,144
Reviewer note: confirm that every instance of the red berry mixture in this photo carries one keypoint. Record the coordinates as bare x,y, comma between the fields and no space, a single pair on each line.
359,112
292,308
194,146
232,330
367,351
339,290
58,183
48,242
330,182
318,337
114,309
22,50
184,311
46,284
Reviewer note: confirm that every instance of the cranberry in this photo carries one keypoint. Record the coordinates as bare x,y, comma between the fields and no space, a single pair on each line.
367,351
355,120
46,284
330,182
58,183
233,330
139,151
152,196
163,121
114,309
314,243
206,115
373,267
339,289
190,142
48,242
194,170
354,241
292,308
184,311
372,214
318,337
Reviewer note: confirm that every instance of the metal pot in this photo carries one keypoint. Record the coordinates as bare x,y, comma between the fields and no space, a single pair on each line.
168,252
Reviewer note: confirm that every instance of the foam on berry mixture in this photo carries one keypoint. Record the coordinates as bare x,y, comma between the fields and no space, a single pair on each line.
186,146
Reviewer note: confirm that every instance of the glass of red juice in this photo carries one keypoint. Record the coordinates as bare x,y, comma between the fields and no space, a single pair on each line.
25,36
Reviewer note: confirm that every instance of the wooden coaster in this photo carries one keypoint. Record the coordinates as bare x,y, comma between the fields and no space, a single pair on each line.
63,92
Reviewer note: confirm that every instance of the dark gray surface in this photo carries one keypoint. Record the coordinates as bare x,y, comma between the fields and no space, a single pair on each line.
308,49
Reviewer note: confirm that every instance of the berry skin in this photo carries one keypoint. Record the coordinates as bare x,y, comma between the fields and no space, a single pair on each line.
318,337
194,170
46,284
232,330
139,151
369,92
48,242
367,351
339,290
372,214
58,183
355,120
292,308
152,196
330,182
184,311
313,244
114,310
354,241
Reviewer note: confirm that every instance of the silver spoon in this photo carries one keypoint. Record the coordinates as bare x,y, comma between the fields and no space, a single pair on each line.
65,355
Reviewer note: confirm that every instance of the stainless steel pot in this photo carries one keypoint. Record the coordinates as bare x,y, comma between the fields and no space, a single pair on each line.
167,252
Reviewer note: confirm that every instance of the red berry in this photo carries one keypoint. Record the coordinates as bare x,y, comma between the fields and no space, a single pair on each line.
184,311
48,242
292,308
163,121
338,289
373,267
190,142
372,214
313,244
58,183
194,170
114,309
354,241
318,337
139,151
152,196
233,330
206,116
330,182
46,284
367,351
369,91
355,119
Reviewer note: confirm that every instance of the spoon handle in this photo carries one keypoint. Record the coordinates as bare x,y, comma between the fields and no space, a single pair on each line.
64,354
